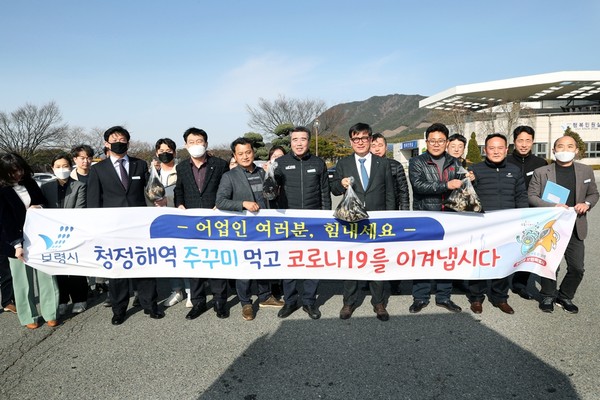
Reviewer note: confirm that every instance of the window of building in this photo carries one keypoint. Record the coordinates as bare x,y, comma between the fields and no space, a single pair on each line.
540,149
593,149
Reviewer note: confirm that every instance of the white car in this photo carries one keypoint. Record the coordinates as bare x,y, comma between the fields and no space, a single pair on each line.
43,177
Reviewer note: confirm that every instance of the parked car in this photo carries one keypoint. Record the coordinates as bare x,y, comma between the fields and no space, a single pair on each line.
43,177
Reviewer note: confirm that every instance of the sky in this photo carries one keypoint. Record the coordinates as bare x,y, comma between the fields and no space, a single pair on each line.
160,67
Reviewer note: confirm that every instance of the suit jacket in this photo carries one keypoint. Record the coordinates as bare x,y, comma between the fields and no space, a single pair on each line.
104,188
379,194
75,194
187,192
13,213
585,190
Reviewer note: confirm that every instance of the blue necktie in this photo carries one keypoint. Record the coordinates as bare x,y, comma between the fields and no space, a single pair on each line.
363,173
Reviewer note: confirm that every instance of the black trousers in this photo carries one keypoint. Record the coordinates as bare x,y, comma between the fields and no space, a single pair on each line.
218,288
574,256
351,292
119,294
72,287
499,292
6,287
290,292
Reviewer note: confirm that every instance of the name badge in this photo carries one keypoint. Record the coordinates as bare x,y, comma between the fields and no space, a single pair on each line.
311,170
530,173
587,181
136,177
290,167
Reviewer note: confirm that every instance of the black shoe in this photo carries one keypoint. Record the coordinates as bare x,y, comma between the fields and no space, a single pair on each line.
567,305
221,310
287,310
312,311
417,306
524,293
449,305
196,311
118,319
154,314
547,304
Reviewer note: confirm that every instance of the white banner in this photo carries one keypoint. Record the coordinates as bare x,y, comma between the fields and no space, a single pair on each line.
290,244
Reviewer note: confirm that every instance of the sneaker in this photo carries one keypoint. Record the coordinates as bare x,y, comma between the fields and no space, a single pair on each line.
271,302
107,302
547,304
173,299
188,303
10,308
79,307
62,309
567,305
247,312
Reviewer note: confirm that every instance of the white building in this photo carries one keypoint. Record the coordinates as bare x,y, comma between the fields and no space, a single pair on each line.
550,103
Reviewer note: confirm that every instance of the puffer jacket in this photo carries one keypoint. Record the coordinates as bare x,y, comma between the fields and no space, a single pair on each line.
429,184
400,185
499,186
304,183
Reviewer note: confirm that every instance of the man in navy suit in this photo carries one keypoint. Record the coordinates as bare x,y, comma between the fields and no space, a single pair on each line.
374,186
119,181
198,179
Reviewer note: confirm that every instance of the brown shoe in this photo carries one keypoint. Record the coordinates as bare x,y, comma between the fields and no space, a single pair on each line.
247,312
271,302
381,312
505,308
476,307
33,325
52,323
10,308
346,311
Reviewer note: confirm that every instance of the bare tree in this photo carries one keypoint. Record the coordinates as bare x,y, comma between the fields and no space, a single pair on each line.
455,119
78,136
30,128
268,115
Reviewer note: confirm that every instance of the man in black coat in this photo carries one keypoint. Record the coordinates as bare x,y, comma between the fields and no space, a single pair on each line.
119,181
500,186
523,158
198,179
374,186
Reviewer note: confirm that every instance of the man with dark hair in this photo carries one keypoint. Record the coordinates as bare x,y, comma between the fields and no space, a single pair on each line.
433,175
198,180
240,189
379,148
304,185
583,195
500,186
119,181
456,147
374,186
82,157
523,158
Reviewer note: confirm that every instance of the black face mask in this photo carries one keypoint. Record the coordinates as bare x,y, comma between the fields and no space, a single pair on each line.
166,158
118,148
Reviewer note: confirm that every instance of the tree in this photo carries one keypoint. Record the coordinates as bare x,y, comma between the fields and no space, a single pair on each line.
473,153
77,136
30,128
256,139
581,146
268,115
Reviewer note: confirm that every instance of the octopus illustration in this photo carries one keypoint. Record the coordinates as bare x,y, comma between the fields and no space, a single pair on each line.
533,237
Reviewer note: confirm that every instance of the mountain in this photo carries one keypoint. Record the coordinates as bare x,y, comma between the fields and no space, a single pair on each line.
393,115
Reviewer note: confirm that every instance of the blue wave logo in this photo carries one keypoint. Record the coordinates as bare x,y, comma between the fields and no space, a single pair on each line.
60,239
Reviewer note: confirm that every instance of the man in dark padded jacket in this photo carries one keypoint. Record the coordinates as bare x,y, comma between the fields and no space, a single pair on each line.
304,185
500,186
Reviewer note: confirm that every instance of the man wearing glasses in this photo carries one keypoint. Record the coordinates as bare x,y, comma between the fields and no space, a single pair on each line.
433,175
374,186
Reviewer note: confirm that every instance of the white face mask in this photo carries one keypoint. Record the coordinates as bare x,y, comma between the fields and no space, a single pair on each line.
197,150
62,173
564,156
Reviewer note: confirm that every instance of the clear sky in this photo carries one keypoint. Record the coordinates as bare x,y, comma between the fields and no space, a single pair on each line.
159,67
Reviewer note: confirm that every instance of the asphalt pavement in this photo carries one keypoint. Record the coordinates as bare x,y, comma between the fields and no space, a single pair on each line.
431,355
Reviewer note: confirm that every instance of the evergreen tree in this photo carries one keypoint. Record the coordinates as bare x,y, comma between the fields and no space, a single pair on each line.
473,152
580,143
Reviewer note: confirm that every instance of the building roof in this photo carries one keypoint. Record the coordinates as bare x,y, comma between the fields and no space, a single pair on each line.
565,85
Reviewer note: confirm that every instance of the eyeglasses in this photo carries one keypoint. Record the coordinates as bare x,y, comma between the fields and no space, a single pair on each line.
362,139
434,142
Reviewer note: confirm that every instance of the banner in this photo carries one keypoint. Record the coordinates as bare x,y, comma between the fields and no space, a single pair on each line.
296,244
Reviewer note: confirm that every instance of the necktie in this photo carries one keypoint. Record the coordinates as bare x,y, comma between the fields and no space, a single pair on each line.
124,176
363,173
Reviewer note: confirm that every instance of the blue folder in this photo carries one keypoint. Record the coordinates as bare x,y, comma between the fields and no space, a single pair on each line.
554,193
